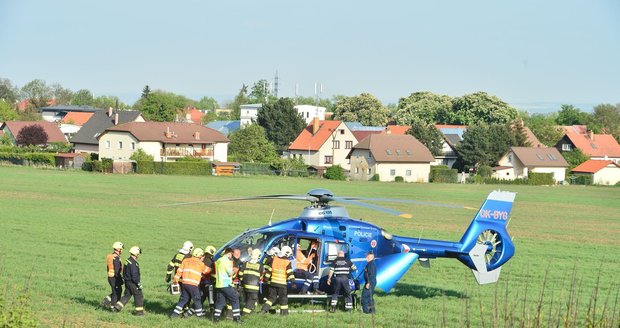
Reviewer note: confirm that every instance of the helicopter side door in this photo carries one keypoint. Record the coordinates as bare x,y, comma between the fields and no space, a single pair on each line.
362,239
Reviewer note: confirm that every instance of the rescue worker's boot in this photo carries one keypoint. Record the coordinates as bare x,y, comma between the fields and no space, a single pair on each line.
106,302
332,309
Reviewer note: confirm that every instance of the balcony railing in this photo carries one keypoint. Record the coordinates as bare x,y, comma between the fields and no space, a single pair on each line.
186,152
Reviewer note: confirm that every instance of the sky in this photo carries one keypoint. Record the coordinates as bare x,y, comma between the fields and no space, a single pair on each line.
532,54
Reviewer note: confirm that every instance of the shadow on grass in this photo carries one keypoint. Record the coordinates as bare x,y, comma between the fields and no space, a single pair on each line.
149,306
422,292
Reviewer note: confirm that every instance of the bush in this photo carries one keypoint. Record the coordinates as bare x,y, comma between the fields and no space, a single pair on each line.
335,172
141,155
538,179
28,158
581,179
484,171
174,168
190,159
443,174
398,178
375,177
18,313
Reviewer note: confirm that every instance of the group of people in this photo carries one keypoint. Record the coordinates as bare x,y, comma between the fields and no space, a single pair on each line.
195,275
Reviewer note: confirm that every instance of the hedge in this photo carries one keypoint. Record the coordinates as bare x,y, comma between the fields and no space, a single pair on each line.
256,168
29,158
538,179
443,174
175,168
581,179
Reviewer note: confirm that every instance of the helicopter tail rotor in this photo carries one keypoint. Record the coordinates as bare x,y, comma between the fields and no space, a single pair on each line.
486,245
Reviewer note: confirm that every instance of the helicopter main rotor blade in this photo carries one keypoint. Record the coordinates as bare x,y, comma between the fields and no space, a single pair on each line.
407,201
372,207
291,197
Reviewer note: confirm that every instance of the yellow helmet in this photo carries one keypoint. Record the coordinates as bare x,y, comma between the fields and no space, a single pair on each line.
117,245
198,252
210,250
135,250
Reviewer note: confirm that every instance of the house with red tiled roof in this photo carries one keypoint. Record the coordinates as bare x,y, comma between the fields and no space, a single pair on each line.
595,146
518,162
165,141
389,156
601,172
192,115
324,143
12,128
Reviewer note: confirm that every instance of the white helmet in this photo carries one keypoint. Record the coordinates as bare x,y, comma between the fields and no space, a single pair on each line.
187,247
135,251
286,251
117,245
273,251
256,253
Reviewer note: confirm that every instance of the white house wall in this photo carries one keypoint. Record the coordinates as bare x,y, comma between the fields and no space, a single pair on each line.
152,148
220,152
309,157
113,151
607,176
86,148
340,154
419,172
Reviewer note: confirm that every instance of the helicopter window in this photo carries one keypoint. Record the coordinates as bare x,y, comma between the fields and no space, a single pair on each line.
249,241
333,249
386,234
342,228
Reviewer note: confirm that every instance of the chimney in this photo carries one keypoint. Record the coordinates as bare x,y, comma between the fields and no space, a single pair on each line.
168,134
591,133
197,135
109,111
315,125
116,119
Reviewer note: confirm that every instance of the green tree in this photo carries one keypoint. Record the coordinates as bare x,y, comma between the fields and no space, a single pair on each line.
31,135
544,128
323,102
290,166
146,91
210,116
484,144
281,121
60,94
140,155
108,101
520,135
570,115
250,144
37,92
8,92
261,92
608,118
365,108
82,97
428,135
7,112
240,99
207,103
29,114
161,106
481,107
426,106
574,158
335,172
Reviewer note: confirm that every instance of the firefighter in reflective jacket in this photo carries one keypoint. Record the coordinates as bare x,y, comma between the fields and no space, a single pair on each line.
133,287
278,274
340,270
250,276
115,276
192,270
183,253
223,287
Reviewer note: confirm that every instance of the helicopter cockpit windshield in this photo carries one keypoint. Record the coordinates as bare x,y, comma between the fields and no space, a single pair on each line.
250,241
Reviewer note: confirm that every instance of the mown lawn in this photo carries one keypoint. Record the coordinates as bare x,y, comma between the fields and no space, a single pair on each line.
57,226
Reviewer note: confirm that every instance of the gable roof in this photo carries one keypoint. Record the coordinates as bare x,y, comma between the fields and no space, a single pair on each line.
361,135
593,166
190,133
395,148
99,122
308,141
452,139
540,157
579,129
397,129
598,145
78,118
53,132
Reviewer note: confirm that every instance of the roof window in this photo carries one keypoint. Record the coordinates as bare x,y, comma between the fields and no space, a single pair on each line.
540,157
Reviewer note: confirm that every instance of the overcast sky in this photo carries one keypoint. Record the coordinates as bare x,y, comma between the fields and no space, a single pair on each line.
527,52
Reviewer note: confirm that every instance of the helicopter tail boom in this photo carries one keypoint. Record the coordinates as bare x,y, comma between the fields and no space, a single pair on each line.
486,244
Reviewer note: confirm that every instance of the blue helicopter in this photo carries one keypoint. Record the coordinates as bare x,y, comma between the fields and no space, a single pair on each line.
326,229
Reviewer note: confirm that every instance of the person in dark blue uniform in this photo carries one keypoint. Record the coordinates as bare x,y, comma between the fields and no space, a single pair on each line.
341,269
368,292
133,286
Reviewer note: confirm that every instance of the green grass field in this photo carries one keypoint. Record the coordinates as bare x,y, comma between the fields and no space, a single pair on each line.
56,228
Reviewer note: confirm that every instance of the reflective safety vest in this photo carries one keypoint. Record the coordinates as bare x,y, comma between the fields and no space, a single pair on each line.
302,262
342,267
174,263
191,270
223,272
280,271
251,274
114,265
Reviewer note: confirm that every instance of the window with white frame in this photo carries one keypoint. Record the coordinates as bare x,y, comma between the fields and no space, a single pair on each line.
392,172
107,144
336,144
565,147
329,159
348,144
133,146
408,173
120,145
